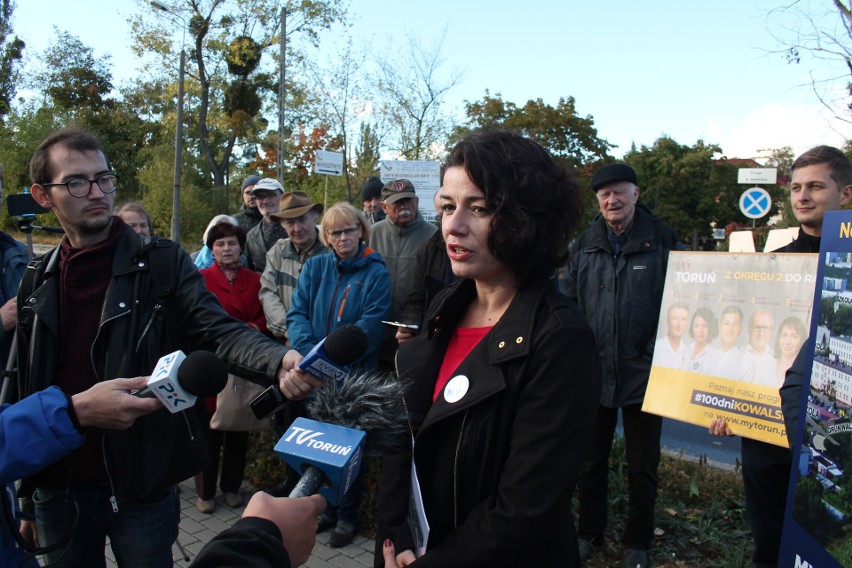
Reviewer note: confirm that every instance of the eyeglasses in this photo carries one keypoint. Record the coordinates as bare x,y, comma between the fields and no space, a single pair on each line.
348,231
81,187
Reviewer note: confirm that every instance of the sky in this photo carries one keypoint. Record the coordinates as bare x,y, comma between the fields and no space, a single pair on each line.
687,70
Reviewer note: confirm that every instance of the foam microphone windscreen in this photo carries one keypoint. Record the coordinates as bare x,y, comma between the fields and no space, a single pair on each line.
345,344
203,374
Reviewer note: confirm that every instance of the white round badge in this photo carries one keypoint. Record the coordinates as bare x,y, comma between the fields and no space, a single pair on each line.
456,389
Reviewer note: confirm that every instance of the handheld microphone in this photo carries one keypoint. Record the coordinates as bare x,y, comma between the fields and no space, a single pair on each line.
331,357
178,380
363,415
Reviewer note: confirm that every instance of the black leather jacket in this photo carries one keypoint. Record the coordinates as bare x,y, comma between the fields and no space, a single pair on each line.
143,318
497,468
621,298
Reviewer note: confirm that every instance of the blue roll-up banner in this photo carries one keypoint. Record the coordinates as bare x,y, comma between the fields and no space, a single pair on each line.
818,516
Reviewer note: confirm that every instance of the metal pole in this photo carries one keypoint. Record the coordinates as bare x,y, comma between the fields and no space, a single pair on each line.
178,151
281,93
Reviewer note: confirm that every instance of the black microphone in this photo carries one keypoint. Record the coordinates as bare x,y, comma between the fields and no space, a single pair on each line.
328,449
177,380
331,357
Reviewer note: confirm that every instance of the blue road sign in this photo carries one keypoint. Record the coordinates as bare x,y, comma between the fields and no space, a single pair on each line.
755,202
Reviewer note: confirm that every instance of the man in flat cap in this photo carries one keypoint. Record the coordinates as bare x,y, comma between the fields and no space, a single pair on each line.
396,238
616,275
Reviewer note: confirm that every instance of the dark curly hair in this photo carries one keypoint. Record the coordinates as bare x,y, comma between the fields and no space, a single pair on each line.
535,201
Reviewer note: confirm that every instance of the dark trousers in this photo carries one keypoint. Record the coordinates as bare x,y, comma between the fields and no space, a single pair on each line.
766,474
642,439
233,446
141,533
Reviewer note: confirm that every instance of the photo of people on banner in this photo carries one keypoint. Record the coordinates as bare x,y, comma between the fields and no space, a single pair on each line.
730,327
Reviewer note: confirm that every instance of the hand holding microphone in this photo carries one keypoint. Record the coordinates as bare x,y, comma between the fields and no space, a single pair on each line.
178,380
109,405
328,360
345,407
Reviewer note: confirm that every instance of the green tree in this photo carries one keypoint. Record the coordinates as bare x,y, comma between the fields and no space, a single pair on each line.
226,42
809,511
842,324
568,136
571,138
11,50
691,187
366,155
71,78
74,88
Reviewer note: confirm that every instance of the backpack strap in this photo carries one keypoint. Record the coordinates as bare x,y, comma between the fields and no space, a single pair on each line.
161,254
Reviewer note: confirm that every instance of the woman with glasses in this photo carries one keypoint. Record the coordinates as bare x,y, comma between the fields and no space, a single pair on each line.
349,284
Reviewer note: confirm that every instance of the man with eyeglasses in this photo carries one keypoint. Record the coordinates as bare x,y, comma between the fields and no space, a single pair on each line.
397,238
106,304
267,193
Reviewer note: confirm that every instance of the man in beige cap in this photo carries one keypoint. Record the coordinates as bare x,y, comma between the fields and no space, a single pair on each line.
267,193
396,238
284,261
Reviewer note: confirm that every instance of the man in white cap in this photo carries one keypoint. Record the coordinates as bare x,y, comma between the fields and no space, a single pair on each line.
267,193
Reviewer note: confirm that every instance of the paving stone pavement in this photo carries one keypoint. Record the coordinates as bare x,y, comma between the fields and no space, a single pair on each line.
196,529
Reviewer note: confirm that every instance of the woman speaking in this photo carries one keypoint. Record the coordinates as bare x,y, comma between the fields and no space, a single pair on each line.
504,376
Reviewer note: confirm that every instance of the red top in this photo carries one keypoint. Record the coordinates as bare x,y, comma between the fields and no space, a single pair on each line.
240,300
462,342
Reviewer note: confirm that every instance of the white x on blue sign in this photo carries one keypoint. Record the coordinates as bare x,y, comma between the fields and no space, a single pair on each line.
755,202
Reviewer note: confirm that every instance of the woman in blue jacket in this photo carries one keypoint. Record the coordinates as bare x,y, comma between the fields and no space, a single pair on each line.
348,285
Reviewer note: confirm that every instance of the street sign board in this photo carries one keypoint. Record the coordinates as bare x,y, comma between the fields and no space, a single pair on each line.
757,175
330,163
755,202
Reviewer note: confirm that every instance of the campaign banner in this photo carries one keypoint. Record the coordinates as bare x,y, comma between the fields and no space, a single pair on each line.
424,175
730,326
819,501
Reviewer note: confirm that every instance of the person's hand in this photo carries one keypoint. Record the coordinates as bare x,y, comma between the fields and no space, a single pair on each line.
9,314
296,519
297,385
719,427
403,335
110,406
29,532
290,360
394,560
